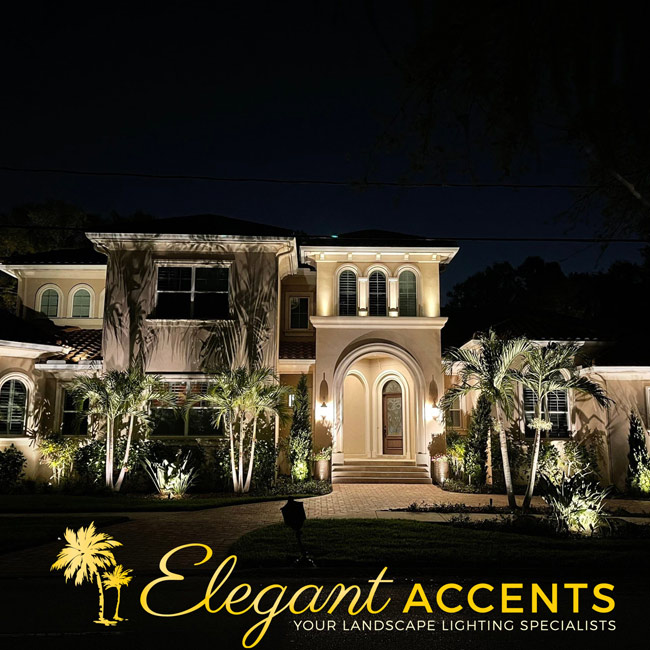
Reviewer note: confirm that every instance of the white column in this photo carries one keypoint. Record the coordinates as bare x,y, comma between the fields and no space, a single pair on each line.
363,296
393,296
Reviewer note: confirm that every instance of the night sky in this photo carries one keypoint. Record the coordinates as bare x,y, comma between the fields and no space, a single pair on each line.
248,89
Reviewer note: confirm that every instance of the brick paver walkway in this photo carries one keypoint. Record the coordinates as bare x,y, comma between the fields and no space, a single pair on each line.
148,536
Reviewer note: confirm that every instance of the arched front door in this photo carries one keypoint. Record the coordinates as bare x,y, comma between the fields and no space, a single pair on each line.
393,427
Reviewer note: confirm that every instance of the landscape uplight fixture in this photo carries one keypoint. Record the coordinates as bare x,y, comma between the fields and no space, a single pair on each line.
293,513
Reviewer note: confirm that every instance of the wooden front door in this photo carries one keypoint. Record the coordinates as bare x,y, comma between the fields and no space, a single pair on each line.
393,428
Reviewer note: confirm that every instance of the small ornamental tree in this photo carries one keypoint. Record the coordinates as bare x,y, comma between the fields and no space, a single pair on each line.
479,432
638,471
300,442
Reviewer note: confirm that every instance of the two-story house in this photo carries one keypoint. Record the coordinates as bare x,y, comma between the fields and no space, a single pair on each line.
359,314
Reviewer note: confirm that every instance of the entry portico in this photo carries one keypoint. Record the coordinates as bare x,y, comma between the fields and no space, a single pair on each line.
378,371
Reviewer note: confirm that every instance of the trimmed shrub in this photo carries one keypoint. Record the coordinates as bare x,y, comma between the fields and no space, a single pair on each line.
12,464
638,471
300,442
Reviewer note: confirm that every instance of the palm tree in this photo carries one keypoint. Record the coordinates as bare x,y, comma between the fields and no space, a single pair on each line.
116,579
116,397
488,369
264,397
547,369
139,391
84,555
238,398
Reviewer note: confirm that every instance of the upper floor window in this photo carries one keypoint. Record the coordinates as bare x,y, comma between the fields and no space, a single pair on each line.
558,413
193,292
170,420
81,304
408,299
347,293
13,408
49,303
299,312
377,294
454,415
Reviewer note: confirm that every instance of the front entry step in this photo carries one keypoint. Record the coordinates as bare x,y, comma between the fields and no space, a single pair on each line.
380,471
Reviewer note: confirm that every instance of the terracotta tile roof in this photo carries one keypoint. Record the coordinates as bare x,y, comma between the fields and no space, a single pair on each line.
297,350
85,345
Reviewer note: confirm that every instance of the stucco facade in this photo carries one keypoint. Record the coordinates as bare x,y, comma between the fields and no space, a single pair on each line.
359,315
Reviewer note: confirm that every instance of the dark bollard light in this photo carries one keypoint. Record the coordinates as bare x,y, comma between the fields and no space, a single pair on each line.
294,516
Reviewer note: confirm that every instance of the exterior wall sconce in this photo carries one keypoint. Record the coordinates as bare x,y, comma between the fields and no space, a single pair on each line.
434,412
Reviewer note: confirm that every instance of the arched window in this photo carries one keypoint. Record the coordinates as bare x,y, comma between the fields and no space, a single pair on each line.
377,294
347,294
408,297
392,388
81,304
50,303
13,408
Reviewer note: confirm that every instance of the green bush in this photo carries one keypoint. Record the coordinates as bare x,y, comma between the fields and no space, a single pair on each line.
457,446
286,486
12,464
477,438
218,465
90,460
58,453
576,504
638,472
300,442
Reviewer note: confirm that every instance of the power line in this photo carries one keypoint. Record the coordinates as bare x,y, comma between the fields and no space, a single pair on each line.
392,238
300,181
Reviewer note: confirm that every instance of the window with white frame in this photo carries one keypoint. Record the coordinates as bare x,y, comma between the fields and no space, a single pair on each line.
557,413
171,420
49,303
299,312
13,408
347,293
81,304
408,298
454,415
192,292
377,301
74,418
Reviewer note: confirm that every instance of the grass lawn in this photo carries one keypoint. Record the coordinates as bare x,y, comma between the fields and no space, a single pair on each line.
349,542
23,532
46,503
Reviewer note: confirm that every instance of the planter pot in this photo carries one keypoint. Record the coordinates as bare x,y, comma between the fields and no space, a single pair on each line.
440,470
322,470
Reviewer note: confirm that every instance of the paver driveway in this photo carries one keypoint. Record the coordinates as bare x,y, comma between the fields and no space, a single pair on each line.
148,536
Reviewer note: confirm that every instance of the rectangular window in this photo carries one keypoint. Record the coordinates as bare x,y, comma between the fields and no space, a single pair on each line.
192,292
172,421
558,413
73,420
299,313
455,416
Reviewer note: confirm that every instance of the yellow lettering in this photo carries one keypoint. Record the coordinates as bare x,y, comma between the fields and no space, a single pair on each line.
470,598
576,587
608,599
441,604
506,598
422,602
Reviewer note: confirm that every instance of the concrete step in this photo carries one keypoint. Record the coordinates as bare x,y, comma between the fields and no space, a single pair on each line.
377,462
380,471
346,469
382,479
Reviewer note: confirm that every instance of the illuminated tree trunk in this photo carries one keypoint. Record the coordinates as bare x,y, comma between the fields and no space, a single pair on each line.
252,458
109,453
127,451
233,469
505,458
535,460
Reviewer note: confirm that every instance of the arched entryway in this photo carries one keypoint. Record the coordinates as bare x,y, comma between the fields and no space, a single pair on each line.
378,404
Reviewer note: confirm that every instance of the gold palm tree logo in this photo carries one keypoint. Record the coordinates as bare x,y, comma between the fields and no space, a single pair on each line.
86,553
116,579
